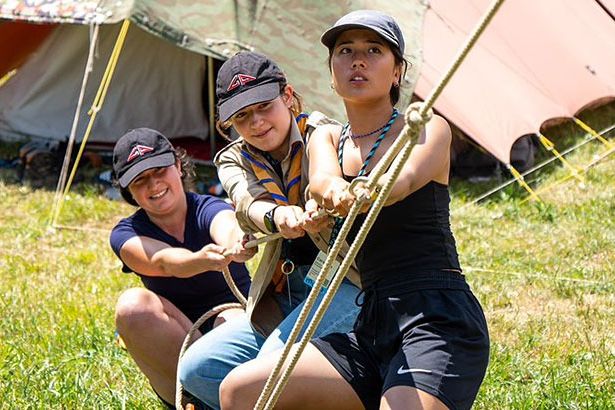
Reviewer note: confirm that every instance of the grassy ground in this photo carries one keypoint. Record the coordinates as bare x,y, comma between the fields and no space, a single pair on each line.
543,272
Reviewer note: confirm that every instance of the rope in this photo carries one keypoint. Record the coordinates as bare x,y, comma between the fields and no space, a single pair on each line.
231,284
529,171
543,276
416,116
96,106
188,340
73,131
550,146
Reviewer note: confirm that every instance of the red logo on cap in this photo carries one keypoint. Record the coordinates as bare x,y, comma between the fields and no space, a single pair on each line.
240,79
137,151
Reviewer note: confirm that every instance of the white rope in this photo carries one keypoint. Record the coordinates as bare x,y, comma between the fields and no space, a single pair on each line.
94,29
400,150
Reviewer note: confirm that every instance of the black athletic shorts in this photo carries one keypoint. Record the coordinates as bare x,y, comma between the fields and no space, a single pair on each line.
427,332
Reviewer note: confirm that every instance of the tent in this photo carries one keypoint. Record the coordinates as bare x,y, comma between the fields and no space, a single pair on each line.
162,79
537,60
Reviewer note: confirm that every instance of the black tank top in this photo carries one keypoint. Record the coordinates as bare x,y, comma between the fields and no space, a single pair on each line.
411,236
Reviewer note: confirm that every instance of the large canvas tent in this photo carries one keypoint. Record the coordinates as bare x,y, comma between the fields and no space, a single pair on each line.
537,60
161,75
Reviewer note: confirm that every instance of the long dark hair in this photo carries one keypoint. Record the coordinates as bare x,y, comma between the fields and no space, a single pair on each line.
186,167
394,92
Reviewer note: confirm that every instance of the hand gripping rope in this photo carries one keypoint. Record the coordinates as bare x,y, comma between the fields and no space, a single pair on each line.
416,116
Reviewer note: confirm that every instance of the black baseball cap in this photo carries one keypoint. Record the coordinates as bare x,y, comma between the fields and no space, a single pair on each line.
139,150
381,23
246,78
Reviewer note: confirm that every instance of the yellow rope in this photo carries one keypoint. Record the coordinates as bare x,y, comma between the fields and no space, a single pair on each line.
97,104
416,116
7,77
551,148
589,129
521,180
567,177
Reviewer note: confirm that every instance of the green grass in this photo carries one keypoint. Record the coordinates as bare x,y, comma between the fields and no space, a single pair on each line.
544,274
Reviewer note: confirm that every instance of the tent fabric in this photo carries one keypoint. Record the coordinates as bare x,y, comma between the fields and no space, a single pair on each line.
29,37
535,61
286,30
155,84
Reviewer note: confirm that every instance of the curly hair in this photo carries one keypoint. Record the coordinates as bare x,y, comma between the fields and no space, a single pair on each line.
188,174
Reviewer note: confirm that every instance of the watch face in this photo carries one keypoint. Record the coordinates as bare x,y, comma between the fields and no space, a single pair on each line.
268,220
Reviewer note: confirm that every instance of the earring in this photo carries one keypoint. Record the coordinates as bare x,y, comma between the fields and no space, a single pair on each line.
332,86
396,84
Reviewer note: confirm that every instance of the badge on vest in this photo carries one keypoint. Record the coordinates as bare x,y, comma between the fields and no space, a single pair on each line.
315,269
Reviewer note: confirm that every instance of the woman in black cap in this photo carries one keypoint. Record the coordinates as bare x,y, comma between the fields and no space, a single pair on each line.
264,171
175,242
421,339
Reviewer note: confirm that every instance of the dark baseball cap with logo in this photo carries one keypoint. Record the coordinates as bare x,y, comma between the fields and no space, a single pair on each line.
246,78
139,150
380,22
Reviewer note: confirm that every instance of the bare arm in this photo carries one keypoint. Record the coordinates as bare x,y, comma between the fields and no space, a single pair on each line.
429,160
225,231
327,184
152,257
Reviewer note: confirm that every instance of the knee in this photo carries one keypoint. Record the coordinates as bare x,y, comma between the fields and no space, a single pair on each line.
135,310
234,392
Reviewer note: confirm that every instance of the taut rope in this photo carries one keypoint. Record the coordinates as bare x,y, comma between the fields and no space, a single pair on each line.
416,116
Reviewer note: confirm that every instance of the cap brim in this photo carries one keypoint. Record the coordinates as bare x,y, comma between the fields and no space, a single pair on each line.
158,161
328,37
255,95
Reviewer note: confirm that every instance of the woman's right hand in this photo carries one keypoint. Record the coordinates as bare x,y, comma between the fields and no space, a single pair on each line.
213,256
288,220
337,200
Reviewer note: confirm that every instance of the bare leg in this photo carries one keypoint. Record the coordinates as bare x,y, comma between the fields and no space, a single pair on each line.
153,330
404,397
314,384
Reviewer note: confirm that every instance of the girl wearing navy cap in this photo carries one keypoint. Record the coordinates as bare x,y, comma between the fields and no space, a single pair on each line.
176,243
264,171
421,339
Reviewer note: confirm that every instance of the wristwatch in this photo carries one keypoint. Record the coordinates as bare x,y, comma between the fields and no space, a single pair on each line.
268,220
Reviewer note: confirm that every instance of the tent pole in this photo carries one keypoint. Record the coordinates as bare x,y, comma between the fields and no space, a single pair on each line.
551,148
211,86
71,139
96,106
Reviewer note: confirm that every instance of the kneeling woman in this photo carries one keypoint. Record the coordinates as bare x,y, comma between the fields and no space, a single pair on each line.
421,339
176,244
264,171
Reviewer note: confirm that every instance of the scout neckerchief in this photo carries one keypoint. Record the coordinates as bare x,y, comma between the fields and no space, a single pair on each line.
287,194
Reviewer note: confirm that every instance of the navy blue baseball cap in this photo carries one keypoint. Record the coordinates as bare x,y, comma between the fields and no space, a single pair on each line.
245,79
381,23
139,150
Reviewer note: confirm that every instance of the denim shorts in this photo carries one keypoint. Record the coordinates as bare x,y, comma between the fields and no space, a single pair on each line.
215,354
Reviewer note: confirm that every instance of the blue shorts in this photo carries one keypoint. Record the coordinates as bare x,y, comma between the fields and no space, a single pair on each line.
427,332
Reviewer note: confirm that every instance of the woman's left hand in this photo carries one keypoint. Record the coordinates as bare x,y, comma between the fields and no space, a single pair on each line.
239,253
314,220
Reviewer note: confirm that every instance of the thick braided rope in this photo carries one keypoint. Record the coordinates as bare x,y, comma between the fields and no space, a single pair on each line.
188,340
415,113
231,284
